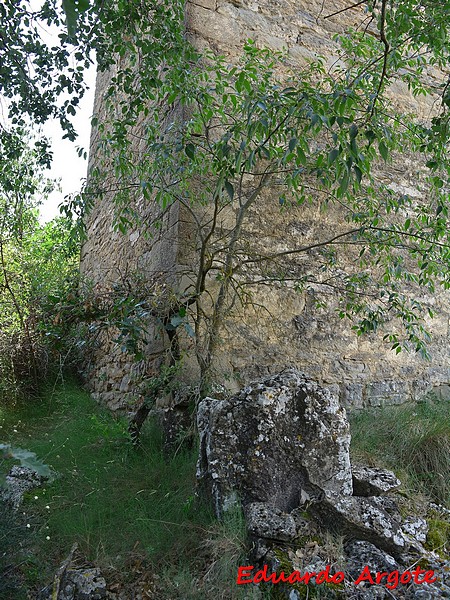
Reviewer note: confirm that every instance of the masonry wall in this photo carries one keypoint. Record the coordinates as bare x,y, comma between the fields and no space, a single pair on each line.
290,331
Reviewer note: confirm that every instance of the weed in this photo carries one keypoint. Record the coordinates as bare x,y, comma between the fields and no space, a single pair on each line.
221,552
109,497
14,540
438,537
413,440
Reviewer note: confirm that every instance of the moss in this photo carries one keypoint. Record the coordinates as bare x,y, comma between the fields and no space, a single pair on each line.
311,590
438,537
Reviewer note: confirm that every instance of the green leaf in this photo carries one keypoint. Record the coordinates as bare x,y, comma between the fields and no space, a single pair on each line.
229,189
176,320
72,8
383,150
190,150
301,157
292,143
332,156
343,186
189,330
370,135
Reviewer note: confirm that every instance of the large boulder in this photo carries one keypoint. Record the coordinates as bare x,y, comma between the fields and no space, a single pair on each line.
278,440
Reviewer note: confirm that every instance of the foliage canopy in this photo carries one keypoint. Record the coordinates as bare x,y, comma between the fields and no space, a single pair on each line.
315,136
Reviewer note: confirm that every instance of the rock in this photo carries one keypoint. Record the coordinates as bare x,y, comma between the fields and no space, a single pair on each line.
272,440
389,505
445,512
270,523
88,584
304,525
361,554
428,592
416,527
375,592
368,481
19,481
78,584
364,518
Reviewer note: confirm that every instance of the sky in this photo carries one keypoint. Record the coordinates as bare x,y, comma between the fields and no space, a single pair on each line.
67,165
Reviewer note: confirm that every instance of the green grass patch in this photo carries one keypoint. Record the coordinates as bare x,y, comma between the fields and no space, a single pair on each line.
413,440
114,500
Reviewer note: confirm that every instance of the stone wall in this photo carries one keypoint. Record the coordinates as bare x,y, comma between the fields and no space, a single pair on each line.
144,254
290,330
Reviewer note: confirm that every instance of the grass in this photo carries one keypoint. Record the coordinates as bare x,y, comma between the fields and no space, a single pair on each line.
14,544
134,513
117,502
412,440
222,551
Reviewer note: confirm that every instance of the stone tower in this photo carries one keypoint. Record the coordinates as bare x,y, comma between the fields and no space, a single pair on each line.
290,330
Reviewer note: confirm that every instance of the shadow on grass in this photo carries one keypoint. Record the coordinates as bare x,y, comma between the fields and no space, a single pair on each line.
116,501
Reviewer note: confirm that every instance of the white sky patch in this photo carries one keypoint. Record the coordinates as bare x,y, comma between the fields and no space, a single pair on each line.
67,167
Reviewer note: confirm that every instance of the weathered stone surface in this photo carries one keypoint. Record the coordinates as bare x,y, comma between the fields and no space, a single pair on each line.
365,519
386,392
369,481
78,584
19,481
416,527
270,523
361,554
375,592
352,395
428,592
276,438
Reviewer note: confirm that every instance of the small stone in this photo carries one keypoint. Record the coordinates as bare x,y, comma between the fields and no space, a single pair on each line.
270,523
368,481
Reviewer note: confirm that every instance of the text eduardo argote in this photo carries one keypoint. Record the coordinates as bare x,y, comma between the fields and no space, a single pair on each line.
390,579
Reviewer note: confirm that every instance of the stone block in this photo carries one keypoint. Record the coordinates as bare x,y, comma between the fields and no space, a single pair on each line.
352,395
382,393
368,481
277,437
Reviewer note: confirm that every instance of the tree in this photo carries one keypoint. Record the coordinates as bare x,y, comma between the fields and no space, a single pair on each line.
36,262
315,136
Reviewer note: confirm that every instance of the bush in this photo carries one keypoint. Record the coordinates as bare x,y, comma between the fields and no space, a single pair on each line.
36,270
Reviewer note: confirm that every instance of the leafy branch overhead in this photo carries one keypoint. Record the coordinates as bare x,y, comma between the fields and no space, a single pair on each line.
311,138
231,144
